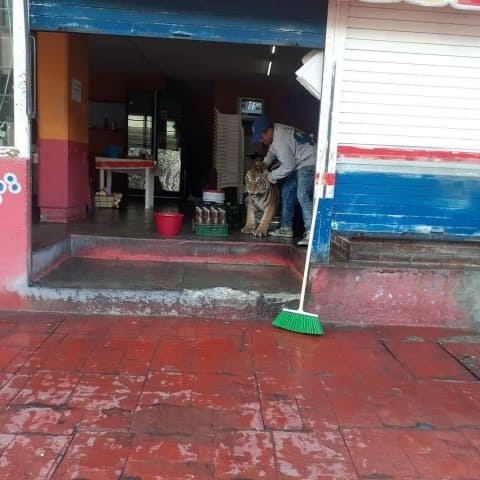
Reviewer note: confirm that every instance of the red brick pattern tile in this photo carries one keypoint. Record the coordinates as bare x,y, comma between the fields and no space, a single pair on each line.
244,454
473,435
11,386
170,388
22,339
39,420
427,360
176,456
5,441
440,454
468,354
95,455
223,391
47,388
312,455
35,455
171,399
7,355
377,453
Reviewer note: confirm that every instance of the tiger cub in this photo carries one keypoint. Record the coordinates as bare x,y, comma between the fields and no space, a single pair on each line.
262,197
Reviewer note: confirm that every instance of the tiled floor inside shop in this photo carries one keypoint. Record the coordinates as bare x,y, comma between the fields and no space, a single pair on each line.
96,398
134,221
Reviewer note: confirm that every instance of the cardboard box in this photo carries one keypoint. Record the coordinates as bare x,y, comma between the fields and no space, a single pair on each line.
104,201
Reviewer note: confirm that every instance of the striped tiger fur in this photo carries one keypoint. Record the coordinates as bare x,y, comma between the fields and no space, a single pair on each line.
262,197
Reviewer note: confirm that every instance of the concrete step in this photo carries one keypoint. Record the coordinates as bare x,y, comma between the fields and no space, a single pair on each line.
236,288
181,250
106,275
167,250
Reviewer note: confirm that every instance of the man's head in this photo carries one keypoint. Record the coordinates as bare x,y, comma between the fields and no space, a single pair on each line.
262,131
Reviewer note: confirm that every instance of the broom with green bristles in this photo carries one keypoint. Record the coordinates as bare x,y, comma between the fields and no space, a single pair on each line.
298,320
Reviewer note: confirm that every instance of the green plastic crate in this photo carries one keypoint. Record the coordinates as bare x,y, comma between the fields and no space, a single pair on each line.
207,230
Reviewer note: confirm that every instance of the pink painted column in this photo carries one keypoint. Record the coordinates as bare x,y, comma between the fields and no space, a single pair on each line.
15,175
63,191
15,231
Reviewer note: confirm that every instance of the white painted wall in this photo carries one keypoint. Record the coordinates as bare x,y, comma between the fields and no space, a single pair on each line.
407,77
21,147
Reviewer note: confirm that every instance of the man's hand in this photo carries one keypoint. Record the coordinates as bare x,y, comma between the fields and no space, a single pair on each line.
259,166
270,179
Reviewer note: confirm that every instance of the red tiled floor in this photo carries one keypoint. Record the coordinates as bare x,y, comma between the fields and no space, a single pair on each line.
163,419
40,454
223,391
137,356
244,454
22,339
473,435
7,355
11,385
246,416
468,354
99,456
209,356
377,453
427,360
174,354
165,458
47,388
355,409
39,420
104,360
312,455
170,399
17,363
170,388
69,353
281,414
440,454
5,441
440,404
108,402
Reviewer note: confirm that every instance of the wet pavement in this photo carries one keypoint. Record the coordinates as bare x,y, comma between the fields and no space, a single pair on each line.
132,398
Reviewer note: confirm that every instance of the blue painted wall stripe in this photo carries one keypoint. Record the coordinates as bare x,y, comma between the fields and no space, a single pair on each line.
268,22
321,236
409,210
385,203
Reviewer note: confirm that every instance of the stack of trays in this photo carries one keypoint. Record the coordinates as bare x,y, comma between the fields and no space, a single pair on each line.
211,230
210,220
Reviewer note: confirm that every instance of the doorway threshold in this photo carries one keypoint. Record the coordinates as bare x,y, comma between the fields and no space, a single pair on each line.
165,277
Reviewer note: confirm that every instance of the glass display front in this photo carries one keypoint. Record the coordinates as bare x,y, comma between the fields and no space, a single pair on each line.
140,110
154,132
140,114
169,165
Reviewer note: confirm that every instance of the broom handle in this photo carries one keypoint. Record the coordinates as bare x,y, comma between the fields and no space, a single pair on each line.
309,251
317,196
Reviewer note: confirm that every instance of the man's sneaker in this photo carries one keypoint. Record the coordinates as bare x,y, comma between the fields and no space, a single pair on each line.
282,232
304,241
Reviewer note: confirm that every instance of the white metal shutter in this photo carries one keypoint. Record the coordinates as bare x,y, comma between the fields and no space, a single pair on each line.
410,78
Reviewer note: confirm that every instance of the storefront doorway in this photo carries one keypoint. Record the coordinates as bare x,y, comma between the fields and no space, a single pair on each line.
237,55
